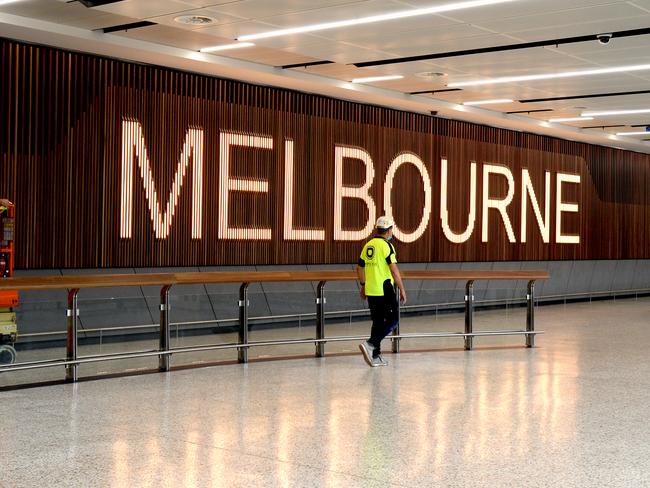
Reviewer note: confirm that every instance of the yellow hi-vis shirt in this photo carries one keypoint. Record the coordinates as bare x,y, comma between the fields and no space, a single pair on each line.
375,257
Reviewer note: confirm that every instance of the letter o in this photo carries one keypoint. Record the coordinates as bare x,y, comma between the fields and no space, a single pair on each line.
399,160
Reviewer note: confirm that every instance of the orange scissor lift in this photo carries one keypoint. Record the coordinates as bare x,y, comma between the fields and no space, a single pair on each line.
8,299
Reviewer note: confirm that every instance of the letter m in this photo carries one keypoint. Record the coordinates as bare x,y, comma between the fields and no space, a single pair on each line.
134,151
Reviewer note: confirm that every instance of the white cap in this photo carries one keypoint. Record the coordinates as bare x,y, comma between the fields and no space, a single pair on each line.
385,222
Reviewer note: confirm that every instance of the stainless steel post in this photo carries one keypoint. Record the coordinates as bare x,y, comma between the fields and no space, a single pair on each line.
530,315
469,313
242,351
320,319
395,344
165,334
71,344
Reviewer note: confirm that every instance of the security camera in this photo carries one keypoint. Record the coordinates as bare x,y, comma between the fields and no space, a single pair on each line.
604,38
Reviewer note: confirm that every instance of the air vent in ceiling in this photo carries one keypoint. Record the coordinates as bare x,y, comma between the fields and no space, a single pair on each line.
195,20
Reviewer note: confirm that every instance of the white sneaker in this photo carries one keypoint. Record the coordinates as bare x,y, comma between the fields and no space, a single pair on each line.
379,361
367,349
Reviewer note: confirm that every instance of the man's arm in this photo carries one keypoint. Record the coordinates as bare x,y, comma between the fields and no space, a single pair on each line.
398,281
361,274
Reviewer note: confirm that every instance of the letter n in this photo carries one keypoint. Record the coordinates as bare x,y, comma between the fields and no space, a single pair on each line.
134,149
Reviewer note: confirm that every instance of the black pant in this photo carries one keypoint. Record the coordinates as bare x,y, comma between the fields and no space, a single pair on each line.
384,311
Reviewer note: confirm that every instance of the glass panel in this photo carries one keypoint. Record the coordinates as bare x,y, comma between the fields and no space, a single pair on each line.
41,323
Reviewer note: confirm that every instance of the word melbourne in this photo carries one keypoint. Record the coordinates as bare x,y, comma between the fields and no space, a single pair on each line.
136,165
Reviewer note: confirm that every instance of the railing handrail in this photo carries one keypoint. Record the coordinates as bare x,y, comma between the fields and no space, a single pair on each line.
225,277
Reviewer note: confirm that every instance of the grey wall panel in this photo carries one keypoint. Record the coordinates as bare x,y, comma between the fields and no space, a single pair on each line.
641,275
413,287
480,287
289,298
42,310
341,295
603,276
580,279
225,297
539,284
441,291
560,272
624,274
502,289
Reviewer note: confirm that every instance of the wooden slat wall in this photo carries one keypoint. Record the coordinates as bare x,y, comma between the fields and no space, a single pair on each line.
61,149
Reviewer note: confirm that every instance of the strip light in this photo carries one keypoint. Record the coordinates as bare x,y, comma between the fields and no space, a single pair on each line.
550,76
402,14
616,112
370,79
226,47
489,102
636,133
570,119
6,2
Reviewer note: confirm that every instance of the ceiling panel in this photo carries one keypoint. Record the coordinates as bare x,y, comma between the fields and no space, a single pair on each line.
643,4
72,14
144,9
562,18
512,10
528,61
448,45
173,36
339,52
261,9
333,12
551,31
484,27
417,41
219,19
620,46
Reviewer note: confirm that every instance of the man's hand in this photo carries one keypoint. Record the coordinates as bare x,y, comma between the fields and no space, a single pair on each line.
402,295
362,292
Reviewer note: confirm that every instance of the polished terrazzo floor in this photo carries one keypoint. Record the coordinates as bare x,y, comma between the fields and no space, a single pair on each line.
572,412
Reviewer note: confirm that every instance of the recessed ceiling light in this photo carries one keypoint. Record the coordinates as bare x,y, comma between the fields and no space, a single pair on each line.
549,76
402,14
195,20
488,102
225,47
570,119
636,133
604,113
370,79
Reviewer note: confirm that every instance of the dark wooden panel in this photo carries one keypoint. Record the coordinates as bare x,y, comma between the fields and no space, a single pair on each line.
62,125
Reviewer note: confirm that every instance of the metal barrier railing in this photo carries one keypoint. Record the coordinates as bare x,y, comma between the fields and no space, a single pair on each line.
167,280
349,313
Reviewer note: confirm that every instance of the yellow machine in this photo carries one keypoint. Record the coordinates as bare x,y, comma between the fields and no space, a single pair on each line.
8,299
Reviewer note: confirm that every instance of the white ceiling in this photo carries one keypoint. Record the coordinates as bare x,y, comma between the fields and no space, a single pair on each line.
70,24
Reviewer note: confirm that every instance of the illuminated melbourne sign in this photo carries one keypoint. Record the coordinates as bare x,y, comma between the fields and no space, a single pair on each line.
137,181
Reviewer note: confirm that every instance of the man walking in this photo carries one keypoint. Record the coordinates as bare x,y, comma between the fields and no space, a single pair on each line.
378,273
